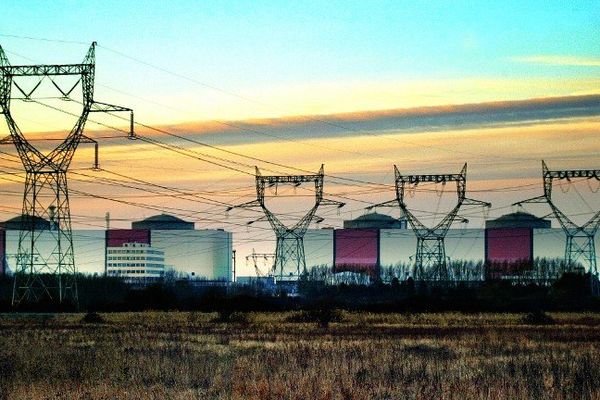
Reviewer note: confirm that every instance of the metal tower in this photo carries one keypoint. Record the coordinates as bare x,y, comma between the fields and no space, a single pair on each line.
580,246
430,258
48,271
265,260
290,260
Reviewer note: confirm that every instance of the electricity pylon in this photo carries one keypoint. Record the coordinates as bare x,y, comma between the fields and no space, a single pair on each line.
580,246
290,261
48,272
266,260
430,258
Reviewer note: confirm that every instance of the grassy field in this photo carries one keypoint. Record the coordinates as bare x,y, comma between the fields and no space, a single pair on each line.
178,355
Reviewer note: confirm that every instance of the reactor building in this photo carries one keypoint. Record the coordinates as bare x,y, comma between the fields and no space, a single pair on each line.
147,250
507,246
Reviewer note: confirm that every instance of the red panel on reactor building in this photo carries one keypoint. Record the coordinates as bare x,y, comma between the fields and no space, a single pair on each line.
356,250
508,250
118,237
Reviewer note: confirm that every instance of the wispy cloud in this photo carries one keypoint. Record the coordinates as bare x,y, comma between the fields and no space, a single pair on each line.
403,120
573,61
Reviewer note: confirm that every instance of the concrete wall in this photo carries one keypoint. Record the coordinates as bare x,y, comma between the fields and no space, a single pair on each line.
198,253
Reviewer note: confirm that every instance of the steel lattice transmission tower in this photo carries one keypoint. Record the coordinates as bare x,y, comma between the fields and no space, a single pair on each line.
580,246
42,271
289,251
430,258
267,259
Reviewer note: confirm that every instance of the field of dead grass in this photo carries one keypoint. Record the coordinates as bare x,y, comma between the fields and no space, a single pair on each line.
177,355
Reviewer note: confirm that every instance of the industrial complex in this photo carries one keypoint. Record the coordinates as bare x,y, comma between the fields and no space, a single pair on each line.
41,241
365,245
159,243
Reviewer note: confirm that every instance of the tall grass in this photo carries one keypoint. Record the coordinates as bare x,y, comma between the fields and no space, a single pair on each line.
278,356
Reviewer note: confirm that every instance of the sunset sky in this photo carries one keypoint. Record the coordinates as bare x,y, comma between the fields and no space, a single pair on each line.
356,85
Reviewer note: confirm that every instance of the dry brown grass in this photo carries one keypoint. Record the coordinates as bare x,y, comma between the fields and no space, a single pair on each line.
265,356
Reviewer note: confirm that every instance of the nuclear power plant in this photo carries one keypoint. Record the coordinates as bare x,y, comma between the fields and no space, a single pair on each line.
44,254
507,246
153,246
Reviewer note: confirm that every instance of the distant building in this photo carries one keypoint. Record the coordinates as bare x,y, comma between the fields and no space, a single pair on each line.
509,244
375,221
15,224
357,247
163,222
519,219
135,261
204,254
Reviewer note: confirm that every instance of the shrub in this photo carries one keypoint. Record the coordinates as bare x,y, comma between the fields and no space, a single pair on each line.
234,317
538,318
321,316
93,318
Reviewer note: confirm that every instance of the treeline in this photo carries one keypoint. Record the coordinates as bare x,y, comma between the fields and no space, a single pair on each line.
542,270
571,292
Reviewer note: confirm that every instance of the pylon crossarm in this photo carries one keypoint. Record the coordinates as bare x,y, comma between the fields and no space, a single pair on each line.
462,219
533,200
473,202
573,173
329,202
7,140
108,108
428,178
44,70
389,203
259,219
86,139
415,179
317,219
249,204
289,179
98,106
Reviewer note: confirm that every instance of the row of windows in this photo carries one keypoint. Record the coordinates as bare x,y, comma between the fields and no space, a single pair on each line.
122,258
142,251
113,265
137,271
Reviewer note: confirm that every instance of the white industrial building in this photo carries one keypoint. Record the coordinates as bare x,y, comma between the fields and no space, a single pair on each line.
193,254
135,261
398,246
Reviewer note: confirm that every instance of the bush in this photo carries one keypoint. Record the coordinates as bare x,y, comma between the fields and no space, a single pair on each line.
93,318
241,318
538,318
321,316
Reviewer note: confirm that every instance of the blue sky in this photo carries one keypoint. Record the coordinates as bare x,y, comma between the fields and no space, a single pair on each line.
249,46
271,59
